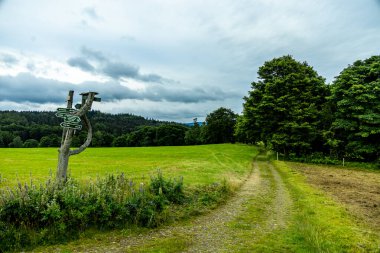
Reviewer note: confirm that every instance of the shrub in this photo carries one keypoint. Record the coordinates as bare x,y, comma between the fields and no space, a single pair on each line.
54,212
35,215
172,190
317,157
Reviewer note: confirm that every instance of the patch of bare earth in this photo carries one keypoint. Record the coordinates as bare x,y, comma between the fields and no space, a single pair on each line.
358,190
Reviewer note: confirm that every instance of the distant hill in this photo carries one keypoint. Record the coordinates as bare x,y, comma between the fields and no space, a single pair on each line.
192,124
36,125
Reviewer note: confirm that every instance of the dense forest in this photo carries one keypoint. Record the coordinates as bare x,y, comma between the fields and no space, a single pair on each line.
32,129
42,129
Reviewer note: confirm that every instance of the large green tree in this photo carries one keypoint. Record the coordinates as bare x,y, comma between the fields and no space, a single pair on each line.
219,126
355,99
193,135
285,108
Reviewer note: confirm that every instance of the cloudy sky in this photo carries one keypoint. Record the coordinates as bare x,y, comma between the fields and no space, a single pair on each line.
170,59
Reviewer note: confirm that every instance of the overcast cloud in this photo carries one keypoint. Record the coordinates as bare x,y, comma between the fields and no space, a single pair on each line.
170,60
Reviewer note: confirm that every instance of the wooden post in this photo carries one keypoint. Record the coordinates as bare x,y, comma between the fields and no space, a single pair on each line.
343,161
67,135
277,156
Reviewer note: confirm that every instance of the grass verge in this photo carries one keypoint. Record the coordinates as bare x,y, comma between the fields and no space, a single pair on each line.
318,224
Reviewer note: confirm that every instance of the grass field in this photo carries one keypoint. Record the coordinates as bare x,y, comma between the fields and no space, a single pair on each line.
197,164
280,206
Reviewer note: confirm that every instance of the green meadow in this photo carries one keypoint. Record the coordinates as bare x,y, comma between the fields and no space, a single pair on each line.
197,164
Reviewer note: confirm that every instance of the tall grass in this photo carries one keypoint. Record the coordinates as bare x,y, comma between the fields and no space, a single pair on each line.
31,215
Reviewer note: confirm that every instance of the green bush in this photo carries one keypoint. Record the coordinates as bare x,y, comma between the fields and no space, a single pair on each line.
317,157
31,215
172,190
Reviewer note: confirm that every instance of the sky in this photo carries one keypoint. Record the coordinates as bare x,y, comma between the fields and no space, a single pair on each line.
170,59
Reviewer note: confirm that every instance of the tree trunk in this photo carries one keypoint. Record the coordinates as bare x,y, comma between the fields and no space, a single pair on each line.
64,154
64,150
67,136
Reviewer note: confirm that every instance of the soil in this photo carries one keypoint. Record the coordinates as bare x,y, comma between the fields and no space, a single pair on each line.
358,190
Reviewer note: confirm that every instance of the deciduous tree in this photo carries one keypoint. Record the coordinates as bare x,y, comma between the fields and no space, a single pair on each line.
219,127
355,96
284,108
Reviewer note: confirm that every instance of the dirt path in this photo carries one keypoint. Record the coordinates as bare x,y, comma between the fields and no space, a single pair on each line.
281,204
211,232
206,233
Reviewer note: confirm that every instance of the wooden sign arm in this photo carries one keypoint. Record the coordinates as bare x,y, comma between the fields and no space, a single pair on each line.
87,105
88,140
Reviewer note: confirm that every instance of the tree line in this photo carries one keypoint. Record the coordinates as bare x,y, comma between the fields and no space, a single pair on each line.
42,129
292,110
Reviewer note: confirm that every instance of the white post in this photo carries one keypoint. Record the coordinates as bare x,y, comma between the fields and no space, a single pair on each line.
277,156
343,161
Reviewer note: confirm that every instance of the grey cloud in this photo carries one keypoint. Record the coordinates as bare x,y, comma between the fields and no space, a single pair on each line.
187,95
93,54
117,70
81,63
31,66
150,78
127,38
112,69
8,59
91,12
27,88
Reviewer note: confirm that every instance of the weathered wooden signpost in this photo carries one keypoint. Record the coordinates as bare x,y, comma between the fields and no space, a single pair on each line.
72,122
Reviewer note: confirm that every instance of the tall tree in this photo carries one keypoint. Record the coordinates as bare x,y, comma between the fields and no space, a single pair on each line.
219,127
284,108
355,96
193,135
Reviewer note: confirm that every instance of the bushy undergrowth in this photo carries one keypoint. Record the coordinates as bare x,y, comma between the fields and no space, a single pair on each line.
33,215
171,189
320,158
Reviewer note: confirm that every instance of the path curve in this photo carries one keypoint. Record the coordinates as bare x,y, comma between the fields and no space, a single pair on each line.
210,232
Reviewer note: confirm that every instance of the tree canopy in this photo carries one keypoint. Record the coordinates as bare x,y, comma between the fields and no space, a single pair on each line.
284,108
355,100
219,127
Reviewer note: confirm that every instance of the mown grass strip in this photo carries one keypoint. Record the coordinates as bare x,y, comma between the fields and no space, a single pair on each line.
250,230
318,223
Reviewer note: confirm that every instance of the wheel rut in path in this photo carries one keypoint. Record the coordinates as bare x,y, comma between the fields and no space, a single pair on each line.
282,202
210,232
